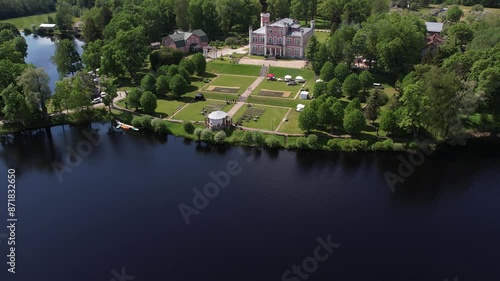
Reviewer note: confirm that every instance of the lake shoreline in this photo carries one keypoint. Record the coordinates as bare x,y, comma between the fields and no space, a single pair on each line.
176,129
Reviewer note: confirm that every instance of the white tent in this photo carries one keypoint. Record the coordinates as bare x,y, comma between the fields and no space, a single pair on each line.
304,95
300,107
217,117
319,80
288,77
299,78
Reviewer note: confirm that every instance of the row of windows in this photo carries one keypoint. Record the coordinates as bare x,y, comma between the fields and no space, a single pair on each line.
289,51
276,40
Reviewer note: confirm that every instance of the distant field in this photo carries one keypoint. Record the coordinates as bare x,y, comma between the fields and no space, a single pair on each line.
467,9
23,22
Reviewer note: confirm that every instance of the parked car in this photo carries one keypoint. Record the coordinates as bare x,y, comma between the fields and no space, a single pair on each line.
378,86
103,94
291,83
96,100
272,78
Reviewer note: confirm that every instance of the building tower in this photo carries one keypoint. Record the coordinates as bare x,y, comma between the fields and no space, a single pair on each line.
265,19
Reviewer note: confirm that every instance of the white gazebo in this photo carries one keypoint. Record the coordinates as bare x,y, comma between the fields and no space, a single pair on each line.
304,95
287,78
217,118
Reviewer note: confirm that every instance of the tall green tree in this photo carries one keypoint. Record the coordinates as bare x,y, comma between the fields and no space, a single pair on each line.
182,14
15,108
354,122
454,14
64,16
134,98
279,8
200,63
91,56
327,72
148,83
351,86
178,85
66,58
148,102
308,119
35,85
131,50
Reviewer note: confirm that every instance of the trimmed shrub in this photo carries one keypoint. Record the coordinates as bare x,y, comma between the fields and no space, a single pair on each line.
301,143
220,137
159,126
312,141
188,127
258,138
207,135
197,133
273,142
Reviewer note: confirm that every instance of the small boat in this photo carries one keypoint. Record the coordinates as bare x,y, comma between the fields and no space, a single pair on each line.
125,126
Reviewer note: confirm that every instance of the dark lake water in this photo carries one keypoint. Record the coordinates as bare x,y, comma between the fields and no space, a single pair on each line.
119,208
40,49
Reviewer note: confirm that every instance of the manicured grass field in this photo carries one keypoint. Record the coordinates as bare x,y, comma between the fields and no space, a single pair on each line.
292,103
269,120
225,67
277,86
280,72
308,74
322,36
233,81
193,111
292,126
168,107
23,22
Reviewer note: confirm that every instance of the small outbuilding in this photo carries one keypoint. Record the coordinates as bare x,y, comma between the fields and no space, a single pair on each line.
304,95
47,26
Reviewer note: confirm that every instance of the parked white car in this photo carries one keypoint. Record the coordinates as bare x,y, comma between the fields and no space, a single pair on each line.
96,100
103,94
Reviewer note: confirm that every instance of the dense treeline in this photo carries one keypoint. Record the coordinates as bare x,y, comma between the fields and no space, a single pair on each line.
446,94
13,8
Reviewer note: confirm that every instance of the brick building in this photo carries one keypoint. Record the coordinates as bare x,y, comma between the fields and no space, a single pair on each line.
283,38
192,41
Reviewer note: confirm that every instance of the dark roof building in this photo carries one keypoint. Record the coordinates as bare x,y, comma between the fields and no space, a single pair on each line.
187,41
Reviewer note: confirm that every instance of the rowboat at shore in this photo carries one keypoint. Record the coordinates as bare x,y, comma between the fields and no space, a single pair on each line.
125,126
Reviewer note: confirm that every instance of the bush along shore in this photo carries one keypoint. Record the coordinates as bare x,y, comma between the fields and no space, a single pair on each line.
240,137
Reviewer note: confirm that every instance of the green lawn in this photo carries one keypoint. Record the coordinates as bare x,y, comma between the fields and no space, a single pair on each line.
167,108
322,36
277,86
233,81
225,67
282,71
23,22
292,103
193,111
292,125
269,120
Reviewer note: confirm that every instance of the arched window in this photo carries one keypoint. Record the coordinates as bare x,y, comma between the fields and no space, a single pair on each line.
269,40
280,40
274,40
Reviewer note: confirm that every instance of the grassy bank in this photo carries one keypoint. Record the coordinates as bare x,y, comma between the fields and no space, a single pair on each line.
23,22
